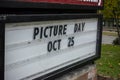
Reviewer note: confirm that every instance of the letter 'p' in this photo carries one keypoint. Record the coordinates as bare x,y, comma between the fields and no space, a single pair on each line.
36,32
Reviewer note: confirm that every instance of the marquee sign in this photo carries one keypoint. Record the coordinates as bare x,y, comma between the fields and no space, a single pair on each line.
38,45
77,2
65,4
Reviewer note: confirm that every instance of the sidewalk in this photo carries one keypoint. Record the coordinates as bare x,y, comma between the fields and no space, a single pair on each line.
107,39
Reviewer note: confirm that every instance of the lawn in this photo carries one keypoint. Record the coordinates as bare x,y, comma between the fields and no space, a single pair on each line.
108,33
109,63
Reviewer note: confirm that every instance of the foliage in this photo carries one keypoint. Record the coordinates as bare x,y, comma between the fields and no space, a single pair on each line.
109,63
116,41
109,7
112,10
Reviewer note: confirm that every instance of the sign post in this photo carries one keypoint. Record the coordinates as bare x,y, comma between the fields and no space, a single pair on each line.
40,45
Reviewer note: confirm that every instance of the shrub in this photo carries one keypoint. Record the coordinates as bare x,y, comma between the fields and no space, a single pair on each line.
116,41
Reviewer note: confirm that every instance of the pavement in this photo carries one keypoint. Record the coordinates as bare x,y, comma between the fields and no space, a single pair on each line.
107,39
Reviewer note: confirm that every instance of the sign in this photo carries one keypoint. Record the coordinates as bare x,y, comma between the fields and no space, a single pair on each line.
77,2
54,4
39,45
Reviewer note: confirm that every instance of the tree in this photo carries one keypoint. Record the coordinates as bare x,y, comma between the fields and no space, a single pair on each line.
112,10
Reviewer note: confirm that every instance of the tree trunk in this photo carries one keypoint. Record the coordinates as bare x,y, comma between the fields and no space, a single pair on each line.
118,29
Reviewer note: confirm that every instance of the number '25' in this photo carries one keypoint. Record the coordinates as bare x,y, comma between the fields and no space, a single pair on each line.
71,41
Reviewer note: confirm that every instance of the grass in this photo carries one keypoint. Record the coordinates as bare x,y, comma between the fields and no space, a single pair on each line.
109,63
108,33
